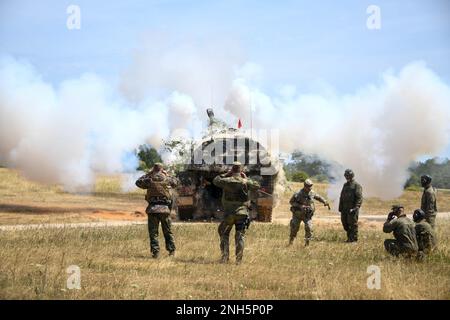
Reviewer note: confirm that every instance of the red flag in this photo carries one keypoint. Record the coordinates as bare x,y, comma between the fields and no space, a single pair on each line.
239,124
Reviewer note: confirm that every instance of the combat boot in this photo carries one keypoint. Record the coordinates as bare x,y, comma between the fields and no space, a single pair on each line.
224,259
306,242
171,253
155,255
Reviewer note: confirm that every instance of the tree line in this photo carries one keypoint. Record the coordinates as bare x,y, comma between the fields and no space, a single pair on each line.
302,166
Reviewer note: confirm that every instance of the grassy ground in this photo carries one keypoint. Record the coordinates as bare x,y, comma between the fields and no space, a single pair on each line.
115,264
115,261
22,201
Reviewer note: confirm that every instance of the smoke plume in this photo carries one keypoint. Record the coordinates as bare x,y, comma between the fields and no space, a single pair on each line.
378,131
67,133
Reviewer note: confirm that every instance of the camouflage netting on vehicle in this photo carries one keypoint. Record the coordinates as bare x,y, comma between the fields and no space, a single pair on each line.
199,199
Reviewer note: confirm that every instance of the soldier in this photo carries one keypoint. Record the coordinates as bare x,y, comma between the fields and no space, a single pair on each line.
349,203
426,239
158,184
235,199
302,208
405,242
428,203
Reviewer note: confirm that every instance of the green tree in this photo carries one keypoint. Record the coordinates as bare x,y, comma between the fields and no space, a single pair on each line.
148,156
321,178
312,165
299,176
438,169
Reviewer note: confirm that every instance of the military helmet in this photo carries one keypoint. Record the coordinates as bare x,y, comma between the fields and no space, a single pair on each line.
158,165
308,183
236,167
349,173
237,164
425,180
418,215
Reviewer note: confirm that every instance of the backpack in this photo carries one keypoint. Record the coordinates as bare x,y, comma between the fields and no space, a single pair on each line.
236,190
158,186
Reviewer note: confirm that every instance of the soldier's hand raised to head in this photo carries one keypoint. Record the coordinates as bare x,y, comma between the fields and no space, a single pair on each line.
229,173
391,216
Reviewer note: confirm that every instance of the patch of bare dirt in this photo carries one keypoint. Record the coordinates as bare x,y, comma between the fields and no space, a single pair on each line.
118,215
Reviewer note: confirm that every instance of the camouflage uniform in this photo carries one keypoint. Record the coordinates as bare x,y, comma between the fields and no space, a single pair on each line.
428,204
302,207
351,198
159,200
235,204
426,239
405,242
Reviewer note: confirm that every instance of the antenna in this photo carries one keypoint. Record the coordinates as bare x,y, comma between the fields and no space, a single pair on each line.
251,115
212,97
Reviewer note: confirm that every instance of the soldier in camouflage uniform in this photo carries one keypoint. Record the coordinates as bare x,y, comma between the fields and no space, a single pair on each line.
235,200
349,203
405,243
302,208
428,203
158,184
426,239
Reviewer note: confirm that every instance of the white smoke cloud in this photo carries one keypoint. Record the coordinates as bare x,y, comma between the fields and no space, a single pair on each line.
65,134
378,131
164,63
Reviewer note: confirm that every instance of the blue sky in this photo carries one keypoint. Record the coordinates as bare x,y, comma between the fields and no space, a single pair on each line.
297,42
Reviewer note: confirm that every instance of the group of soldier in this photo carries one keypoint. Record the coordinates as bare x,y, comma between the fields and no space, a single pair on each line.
236,187
411,238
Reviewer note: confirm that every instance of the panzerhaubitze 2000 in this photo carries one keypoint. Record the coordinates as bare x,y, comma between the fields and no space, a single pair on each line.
199,199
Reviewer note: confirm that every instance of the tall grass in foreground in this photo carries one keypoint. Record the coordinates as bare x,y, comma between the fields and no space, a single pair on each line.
115,264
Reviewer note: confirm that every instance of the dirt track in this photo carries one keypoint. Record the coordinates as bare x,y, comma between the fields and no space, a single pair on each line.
118,223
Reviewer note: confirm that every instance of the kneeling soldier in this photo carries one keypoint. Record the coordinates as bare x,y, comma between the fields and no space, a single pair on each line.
405,242
426,239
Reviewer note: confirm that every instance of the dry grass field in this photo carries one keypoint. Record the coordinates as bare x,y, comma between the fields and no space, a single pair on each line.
22,201
115,262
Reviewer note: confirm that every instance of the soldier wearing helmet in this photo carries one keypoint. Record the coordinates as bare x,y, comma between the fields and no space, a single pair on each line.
405,242
428,202
235,200
302,208
349,203
426,239
158,183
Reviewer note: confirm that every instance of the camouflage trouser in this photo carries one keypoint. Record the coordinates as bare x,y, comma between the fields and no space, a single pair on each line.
224,233
350,224
392,246
153,225
297,218
431,219
426,244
